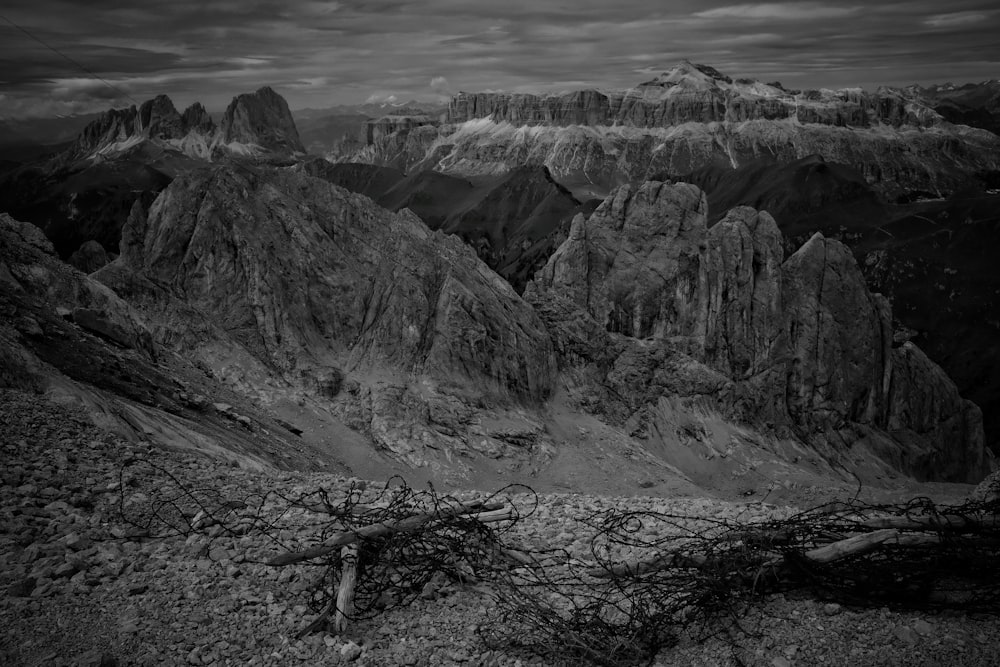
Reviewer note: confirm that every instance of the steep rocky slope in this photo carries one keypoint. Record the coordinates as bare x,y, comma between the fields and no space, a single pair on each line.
930,256
974,104
71,338
127,155
693,117
513,221
404,331
649,304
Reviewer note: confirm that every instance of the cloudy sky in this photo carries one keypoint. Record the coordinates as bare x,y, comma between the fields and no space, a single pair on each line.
318,53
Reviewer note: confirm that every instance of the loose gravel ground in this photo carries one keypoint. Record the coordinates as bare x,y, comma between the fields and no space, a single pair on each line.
80,587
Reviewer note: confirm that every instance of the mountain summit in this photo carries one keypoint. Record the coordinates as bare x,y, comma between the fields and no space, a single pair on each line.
261,118
258,124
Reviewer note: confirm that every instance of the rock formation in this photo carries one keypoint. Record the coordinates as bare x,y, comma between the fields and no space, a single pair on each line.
89,257
690,118
691,93
383,126
283,274
648,303
261,118
254,123
71,338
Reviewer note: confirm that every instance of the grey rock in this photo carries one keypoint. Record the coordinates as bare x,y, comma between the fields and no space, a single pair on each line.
89,257
350,651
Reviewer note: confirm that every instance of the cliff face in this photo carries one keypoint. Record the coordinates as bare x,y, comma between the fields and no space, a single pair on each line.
649,304
379,128
405,332
691,93
261,118
253,123
593,160
690,118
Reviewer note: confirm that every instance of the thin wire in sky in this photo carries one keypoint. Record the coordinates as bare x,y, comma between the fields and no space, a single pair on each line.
71,60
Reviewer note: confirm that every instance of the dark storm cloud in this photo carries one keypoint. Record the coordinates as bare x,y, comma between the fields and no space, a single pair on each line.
320,53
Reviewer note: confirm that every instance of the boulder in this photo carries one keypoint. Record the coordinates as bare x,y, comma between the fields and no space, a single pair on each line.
90,256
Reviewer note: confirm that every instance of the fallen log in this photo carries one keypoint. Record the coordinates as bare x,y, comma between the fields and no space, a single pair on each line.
851,546
958,524
487,513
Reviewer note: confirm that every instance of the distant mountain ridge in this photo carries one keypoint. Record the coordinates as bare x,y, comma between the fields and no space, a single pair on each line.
689,118
697,93
256,124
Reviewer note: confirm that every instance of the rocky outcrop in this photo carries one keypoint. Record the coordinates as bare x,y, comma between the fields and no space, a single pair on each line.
838,337
645,302
283,274
924,406
158,119
67,336
254,123
742,269
261,118
379,128
89,257
196,118
635,264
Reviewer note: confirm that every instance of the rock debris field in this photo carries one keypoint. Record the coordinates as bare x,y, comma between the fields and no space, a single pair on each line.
81,587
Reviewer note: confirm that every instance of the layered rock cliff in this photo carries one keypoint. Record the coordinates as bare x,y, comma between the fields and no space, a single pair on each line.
647,304
691,118
691,93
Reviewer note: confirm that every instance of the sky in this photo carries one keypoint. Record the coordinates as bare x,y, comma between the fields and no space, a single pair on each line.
320,54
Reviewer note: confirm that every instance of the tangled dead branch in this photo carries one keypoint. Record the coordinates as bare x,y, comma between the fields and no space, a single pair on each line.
649,577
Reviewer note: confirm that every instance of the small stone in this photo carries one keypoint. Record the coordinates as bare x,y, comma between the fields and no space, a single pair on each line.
219,554
905,634
65,570
780,662
137,589
76,542
94,658
350,651
832,609
922,627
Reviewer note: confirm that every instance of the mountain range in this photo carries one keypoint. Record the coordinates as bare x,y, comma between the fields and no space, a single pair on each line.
715,276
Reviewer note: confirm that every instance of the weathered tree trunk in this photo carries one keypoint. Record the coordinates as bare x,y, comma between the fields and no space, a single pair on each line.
345,593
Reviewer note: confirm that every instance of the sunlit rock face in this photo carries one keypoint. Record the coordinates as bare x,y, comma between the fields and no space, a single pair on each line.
689,118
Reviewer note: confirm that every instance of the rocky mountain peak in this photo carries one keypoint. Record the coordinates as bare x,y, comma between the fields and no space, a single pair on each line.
196,118
261,118
656,305
158,119
689,74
